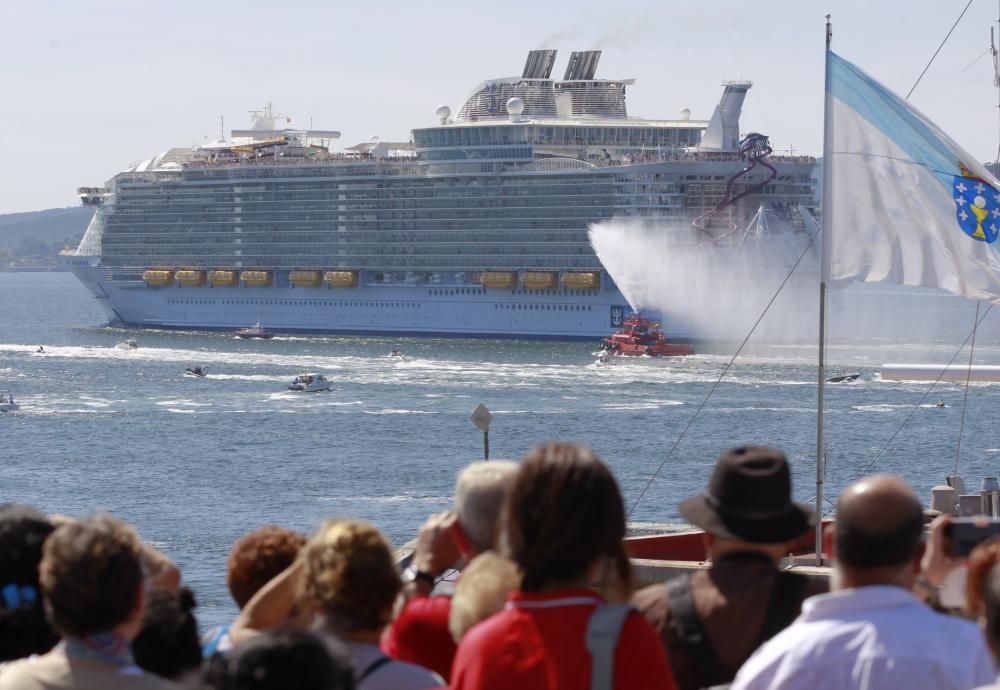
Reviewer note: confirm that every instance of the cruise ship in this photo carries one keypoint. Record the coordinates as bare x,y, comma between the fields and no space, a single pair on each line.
476,227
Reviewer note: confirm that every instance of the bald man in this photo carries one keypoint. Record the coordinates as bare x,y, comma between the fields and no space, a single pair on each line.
870,631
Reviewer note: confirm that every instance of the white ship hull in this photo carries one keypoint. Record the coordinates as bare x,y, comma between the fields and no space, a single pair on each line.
456,311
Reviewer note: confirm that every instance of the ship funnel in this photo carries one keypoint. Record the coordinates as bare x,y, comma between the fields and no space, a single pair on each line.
539,64
582,65
723,131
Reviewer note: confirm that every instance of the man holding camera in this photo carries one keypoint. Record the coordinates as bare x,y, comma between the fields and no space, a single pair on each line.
420,634
871,631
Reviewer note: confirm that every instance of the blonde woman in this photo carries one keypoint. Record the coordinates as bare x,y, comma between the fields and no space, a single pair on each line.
344,584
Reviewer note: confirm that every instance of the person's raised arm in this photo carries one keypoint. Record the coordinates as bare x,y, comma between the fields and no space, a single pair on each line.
272,605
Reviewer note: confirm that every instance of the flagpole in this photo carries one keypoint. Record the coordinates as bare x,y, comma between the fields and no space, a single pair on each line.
821,368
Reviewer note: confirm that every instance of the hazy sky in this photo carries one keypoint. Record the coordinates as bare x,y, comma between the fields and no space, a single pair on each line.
90,86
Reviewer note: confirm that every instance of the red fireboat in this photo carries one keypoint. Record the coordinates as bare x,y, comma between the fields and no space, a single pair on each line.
640,336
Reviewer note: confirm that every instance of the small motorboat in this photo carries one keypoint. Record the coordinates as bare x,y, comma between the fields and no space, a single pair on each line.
196,372
846,378
255,331
640,336
7,403
130,344
309,383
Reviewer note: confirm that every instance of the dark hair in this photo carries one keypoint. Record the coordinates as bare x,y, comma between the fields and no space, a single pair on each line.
563,513
991,599
981,562
90,575
23,628
168,644
280,660
865,545
258,557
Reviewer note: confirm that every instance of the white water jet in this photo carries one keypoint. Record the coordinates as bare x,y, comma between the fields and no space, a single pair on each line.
712,291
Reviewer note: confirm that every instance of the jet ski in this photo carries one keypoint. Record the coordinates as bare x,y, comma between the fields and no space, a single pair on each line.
7,403
196,372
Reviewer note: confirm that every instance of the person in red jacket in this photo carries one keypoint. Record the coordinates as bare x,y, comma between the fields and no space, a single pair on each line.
420,633
563,524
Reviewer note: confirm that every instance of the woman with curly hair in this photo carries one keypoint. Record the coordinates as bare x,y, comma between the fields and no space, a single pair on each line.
563,525
346,576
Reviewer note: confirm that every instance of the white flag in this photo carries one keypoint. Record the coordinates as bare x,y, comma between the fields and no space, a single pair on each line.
902,202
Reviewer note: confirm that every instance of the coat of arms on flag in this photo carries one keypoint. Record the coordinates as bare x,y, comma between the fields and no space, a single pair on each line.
977,206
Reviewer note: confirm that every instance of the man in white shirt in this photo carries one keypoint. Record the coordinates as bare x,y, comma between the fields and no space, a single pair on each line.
870,631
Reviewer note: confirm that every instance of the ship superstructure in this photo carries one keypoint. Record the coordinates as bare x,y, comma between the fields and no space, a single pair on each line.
476,226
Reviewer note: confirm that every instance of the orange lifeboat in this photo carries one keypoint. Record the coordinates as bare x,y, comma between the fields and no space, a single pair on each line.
222,278
256,278
158,278
302,278
190,278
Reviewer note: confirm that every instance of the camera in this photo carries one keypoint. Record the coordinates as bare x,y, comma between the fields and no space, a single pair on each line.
964,534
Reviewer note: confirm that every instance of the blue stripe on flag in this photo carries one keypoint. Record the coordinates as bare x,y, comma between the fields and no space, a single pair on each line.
898,121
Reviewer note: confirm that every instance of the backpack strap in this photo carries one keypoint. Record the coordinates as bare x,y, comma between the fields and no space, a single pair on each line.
603,631
372,667
686,622
785,605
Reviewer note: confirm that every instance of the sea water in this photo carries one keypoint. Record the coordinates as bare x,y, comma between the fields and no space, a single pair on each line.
195,463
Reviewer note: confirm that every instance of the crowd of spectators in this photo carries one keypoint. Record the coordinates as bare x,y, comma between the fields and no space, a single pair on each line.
525,585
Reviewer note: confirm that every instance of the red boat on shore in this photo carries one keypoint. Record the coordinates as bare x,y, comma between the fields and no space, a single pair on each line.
640,336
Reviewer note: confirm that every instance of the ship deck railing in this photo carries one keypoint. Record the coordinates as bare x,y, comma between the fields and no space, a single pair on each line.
410,165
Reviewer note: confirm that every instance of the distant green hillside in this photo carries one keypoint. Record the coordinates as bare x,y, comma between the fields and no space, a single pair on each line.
36,238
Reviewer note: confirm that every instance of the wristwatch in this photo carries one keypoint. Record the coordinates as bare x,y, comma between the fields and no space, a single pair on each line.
419,577
932,592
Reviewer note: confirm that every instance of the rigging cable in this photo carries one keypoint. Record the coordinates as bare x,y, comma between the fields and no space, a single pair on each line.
947,36
965,399
916,407
972,335
725,370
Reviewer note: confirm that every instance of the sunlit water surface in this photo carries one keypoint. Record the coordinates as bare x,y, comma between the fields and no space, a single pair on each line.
196,463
